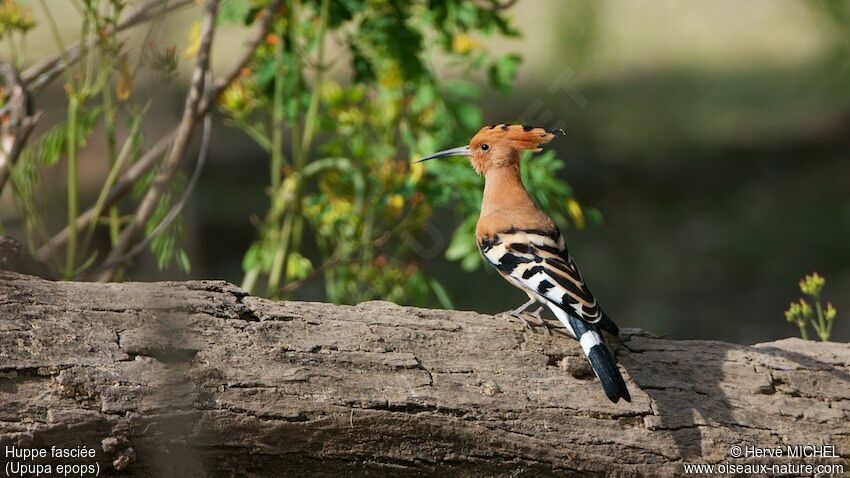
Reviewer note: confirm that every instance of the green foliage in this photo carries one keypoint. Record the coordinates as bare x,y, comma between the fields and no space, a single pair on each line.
504,71
340,134
48,150
166,245
234,11
357,196
99,92
45,152
801,314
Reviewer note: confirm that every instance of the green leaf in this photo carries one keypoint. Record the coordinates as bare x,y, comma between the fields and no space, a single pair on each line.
471,262
166,245
464,247
593,216
298,266
234,11
392,106
257,257
463,241
183,261
441,294
265,74
463,89
503,72
361,66
343,10
468,115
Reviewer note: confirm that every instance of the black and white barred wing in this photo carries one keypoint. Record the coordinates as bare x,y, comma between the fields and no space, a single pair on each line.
539,263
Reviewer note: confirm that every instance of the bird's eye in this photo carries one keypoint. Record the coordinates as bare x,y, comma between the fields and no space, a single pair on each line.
485,147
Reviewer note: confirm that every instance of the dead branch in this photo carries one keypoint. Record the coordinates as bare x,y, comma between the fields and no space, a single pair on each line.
198,379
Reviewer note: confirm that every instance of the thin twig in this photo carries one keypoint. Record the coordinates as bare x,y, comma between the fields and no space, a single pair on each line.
178,207
151,157
121,188
178,148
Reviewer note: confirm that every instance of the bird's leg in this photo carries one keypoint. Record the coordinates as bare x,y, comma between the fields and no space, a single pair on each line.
519,310
522,308
540,320
520,313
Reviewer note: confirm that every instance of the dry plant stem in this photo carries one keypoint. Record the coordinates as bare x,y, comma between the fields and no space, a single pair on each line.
150,158
178,207
14,131
178,148
71,140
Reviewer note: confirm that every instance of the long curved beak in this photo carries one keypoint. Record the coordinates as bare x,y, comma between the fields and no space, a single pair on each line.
459,151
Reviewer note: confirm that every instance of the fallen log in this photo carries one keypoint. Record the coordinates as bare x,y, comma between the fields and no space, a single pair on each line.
198,379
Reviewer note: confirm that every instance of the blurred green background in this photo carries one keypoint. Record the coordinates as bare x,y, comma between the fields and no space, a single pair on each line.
712,136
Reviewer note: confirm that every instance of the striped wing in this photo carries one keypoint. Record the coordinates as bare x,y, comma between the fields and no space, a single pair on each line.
538,263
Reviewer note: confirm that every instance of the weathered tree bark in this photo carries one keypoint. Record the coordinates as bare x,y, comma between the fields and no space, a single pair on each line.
196,378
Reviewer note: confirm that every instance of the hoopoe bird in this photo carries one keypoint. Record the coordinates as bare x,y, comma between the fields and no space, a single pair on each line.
526,247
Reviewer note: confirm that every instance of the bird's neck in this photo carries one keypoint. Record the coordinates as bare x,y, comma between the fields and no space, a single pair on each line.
504,192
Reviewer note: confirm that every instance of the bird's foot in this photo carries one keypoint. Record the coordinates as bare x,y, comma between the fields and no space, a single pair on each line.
539,320
521,309
524,317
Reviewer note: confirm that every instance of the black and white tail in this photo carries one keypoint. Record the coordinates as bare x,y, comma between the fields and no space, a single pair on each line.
537,262
601,360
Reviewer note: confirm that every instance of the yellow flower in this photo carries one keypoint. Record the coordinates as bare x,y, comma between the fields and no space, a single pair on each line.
395,204
236,99
298,266
812,284
417,170
125,81
14,17
574,208
805,309
390,76
830,312
331,92
194,41
793,313
464,44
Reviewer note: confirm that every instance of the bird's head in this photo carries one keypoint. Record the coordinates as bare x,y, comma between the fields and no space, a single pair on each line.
499,145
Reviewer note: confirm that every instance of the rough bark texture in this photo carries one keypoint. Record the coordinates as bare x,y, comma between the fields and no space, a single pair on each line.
198,379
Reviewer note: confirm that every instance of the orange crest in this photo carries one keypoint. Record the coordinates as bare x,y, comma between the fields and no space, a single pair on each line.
515,136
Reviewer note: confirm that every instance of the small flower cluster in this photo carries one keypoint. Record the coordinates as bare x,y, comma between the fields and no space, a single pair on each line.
14,17
800,313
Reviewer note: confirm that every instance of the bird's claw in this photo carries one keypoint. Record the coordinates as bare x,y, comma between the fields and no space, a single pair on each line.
539,322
